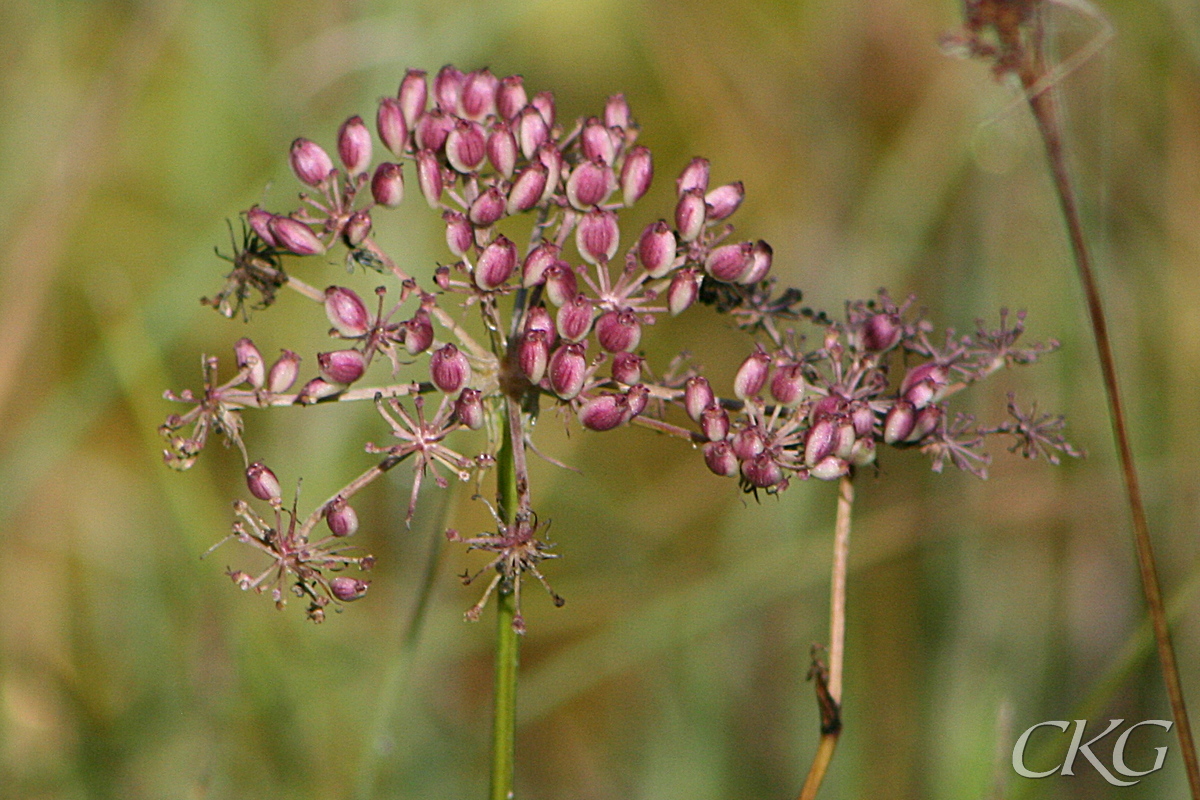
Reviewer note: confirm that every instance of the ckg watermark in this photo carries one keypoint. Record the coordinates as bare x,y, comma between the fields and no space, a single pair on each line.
1079,747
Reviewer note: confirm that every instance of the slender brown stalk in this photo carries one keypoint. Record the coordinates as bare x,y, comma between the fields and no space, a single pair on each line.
829,681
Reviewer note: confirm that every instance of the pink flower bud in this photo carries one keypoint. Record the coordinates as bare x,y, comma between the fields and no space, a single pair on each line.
295,237
821,441
597,236
511,97
729,262
924,384
460,235
567,369
690,214
418,333
637,397
496,264
596,142
844,439
656,249
697,396
603,412
714,423
549,156
762,471
627,368
880,333
260,223
533,355
466,146
341,518
762,255
574,318
391,125
387,185
636,175
283,372
544,103
747,443
449,368
487,208
618,331
346,311
412,95
899,422
341,366
538,318
502,149
354,145
447,88
429,177
925,423
561,284
311,164
719,458
468,408
441,276
724,200
752,375
479,94
527,189
694,177
827,406
357,228
347,589
863,419
262,482
829,468
533,269
616,112
863,452
433,128
683,291
787,385
531,130
250,359
314,390
589,184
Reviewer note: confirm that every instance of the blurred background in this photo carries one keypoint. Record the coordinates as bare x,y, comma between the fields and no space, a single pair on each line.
130,667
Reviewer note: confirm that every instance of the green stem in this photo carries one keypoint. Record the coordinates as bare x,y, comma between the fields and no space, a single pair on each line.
504,708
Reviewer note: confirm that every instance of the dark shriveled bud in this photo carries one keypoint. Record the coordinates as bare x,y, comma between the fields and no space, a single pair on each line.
262,483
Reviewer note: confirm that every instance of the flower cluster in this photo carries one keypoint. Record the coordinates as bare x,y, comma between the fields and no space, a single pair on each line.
564,312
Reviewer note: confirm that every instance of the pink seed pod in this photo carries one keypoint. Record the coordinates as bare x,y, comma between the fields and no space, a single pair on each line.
511,97
418,333
346,589
357,228
719,458
574,319
683,291
540,258
538,318
924,384
460,234
714,423
432,130
487,208
249,358
596,142
387,185
346,311
531,131
567,370
729,262
551,158
561,284
863,419
496,264
283,372
690,214
697,396
863,452
544,103
616,112
449,368
310,162
603,412
468,408
637,398
502,149
341,518
597,236
479,94
656,249
821,441
627,368
466,146
747,443
899,422
262,483
762,471
391,125
429,178
926,422
829,468
260,223
787,385
762,255
533,355
829,405
880,333
341,366
752,375
590,183
528,188
844,439
354,145
724,200
412,95
618,331
447,88
314,390
694,177
295,237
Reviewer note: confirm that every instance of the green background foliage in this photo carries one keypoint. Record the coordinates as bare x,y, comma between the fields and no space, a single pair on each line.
132,668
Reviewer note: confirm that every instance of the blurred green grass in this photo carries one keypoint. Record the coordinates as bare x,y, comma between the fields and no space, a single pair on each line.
131,668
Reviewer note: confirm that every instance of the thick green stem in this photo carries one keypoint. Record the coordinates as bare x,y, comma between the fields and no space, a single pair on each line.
504,708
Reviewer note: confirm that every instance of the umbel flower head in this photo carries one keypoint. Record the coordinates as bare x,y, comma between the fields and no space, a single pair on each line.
564,309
